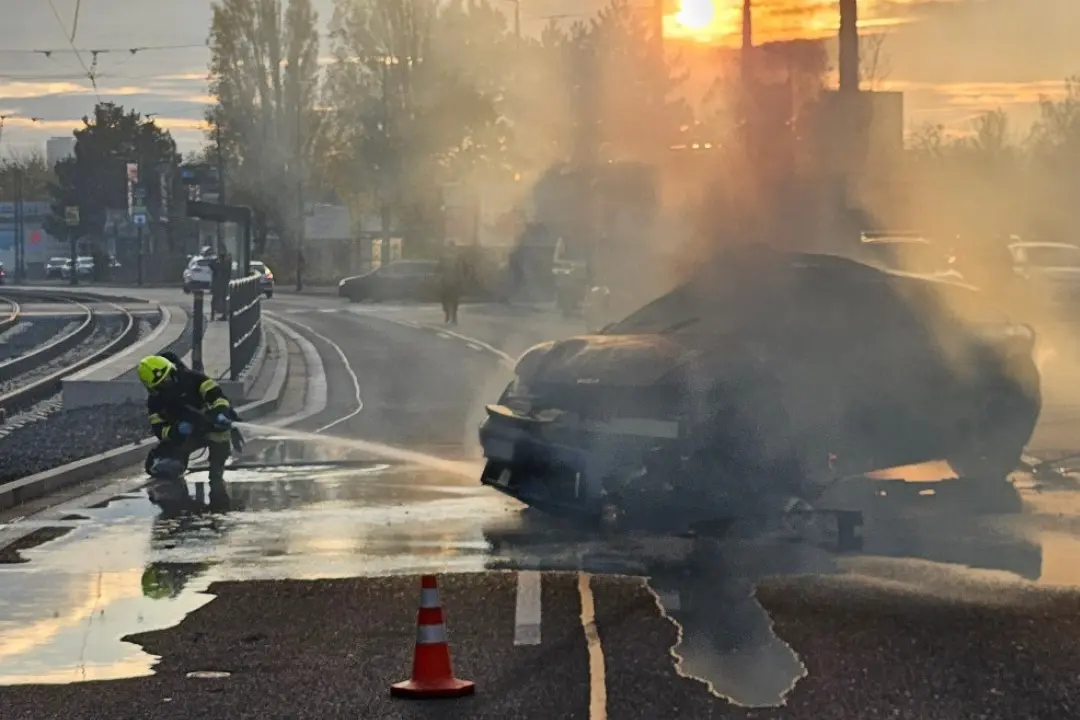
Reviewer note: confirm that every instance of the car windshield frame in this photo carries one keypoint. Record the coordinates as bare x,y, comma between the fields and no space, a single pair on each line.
1037,256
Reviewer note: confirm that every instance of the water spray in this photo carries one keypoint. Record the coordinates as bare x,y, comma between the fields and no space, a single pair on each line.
381,450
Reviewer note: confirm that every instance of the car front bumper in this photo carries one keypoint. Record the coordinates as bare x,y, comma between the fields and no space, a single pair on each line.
559,466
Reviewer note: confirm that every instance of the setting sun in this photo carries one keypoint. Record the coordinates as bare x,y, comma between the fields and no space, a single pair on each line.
695,14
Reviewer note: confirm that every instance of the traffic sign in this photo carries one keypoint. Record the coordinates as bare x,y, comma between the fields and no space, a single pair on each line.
71,215
35,237
139,218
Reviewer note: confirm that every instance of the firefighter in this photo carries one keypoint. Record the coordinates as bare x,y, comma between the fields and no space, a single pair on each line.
188,411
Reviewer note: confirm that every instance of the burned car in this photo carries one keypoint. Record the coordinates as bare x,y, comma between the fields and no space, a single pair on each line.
759,383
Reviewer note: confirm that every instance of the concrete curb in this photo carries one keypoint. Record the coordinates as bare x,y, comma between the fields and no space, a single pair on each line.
41,484
164,317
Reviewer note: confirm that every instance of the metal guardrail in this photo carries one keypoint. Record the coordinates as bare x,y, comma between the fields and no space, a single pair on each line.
245,323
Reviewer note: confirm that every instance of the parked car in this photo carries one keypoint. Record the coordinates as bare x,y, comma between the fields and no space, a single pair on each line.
399,280
266,277
761,382
198,274
908,252
1051,270
54,268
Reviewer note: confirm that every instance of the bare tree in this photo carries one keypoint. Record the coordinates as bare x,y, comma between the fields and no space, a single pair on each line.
874,60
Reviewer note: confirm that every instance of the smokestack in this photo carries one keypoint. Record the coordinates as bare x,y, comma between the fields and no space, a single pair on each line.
849,46
747,38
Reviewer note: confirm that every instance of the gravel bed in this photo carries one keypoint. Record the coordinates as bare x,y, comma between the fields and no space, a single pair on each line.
69,436
108,329
29,334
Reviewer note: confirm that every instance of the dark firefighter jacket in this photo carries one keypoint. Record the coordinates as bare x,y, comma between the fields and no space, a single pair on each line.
191,398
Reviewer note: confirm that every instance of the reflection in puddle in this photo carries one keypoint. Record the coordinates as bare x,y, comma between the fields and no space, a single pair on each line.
127,570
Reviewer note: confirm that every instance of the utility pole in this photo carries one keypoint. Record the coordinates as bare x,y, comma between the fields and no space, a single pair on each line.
221,181
20,233
388,175
849,46
299,196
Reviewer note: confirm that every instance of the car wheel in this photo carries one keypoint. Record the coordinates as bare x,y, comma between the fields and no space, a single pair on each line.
994,443
269,294
187,290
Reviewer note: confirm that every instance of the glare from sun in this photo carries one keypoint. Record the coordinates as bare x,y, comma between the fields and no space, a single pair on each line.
695,14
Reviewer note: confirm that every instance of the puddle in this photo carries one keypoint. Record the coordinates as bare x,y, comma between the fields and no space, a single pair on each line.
122,569
12,554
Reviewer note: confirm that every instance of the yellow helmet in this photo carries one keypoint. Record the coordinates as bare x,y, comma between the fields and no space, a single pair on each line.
154,370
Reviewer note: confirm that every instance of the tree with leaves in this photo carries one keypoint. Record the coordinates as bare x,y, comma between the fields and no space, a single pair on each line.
95,179
264,73
36,176
407,114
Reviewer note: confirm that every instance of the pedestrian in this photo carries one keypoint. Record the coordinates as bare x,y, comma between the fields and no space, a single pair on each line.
451,278
219,286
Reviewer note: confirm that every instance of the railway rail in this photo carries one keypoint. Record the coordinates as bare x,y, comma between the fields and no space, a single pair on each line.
93,312
9,313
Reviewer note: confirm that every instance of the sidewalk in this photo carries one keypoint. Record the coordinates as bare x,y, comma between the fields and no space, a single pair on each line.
215,351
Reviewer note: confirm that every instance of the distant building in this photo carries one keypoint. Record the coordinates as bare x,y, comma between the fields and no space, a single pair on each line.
59,148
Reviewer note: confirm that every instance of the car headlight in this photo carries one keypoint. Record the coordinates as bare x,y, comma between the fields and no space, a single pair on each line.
517,396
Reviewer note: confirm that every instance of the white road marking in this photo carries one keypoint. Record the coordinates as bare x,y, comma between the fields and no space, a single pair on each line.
352,375
316,397
527,614
506,358
476,347
597,673
443,335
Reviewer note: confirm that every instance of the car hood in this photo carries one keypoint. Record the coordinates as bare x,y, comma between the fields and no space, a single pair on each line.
622,360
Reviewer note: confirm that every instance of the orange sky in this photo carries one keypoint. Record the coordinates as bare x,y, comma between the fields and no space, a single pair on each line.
952,58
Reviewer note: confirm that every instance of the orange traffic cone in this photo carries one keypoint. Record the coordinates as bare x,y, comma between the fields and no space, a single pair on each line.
432,674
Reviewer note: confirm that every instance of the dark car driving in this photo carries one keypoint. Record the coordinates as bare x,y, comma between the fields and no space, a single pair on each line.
761,381
399,280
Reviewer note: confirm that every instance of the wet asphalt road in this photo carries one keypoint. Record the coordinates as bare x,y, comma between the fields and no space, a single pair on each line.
944,614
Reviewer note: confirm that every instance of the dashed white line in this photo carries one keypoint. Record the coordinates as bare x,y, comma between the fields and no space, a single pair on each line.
443,335
527,613
475,347
509,360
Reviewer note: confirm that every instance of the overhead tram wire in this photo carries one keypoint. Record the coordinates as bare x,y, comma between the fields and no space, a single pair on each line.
49,52
71,41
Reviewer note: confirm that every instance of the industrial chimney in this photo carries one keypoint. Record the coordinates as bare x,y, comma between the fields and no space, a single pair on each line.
747,51
849,46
